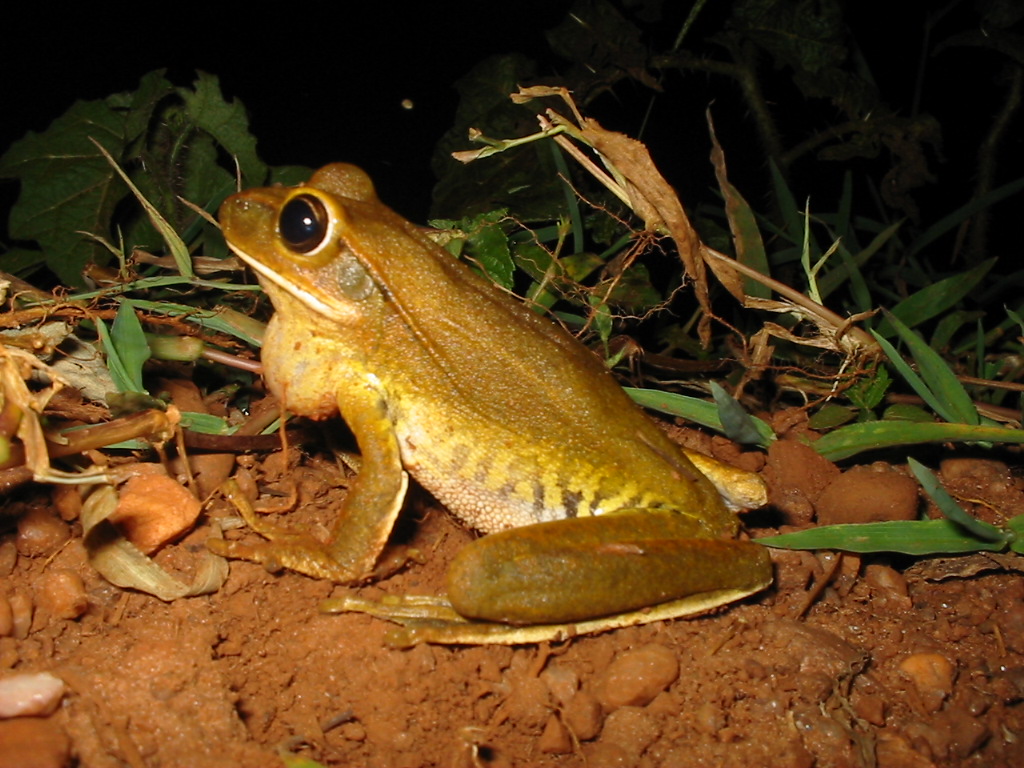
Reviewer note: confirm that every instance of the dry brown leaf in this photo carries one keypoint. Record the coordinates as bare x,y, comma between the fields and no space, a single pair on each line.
656,203
122,563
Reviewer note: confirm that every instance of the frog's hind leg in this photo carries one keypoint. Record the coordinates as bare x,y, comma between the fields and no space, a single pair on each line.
588,567
556,580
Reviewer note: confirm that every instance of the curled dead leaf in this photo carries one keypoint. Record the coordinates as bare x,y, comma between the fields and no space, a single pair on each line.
123,564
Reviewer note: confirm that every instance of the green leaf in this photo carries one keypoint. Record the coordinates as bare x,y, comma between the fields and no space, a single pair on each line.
67,187
220,320
205,422
693,409
907,412
868,392
950,509
830,416
738,424
227,123
119,372
911,537
849,269
874,435
937,385
936,298
130,347
1016,526
791,213
485,244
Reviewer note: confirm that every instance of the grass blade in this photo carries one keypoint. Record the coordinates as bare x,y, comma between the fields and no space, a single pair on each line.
950,509
873,435
911,537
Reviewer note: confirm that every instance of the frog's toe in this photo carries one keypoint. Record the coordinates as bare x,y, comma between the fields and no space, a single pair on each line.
240,550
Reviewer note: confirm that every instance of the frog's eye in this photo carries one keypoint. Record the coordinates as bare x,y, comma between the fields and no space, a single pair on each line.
303,223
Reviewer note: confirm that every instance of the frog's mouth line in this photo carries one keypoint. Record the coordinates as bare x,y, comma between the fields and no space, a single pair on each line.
304,297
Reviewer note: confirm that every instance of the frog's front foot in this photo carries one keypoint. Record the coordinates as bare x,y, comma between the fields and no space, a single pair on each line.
284,548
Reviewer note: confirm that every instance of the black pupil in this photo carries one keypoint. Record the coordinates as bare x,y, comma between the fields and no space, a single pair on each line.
303,223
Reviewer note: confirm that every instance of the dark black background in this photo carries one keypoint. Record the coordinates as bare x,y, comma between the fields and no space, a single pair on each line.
325,82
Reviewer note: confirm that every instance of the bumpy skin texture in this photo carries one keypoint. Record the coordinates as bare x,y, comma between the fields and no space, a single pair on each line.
499,413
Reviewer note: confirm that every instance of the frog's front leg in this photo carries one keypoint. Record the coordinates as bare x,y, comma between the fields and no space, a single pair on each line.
367,516
567,577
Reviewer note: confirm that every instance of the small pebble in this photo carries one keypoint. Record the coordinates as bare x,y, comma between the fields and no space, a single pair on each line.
67,499
886,579
709,718
153,510
870,708
932,674
40,533
583,716
30,694
965,734
632,729
635,677
864,495
555,739
8,557
21,615
62,594
353,731
562,682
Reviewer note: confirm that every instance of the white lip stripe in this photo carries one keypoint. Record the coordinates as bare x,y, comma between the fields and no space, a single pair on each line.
303,296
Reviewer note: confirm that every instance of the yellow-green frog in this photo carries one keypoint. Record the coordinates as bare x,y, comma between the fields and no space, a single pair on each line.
596,519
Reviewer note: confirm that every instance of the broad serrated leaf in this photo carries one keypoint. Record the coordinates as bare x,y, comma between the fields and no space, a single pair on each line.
227,123
67,186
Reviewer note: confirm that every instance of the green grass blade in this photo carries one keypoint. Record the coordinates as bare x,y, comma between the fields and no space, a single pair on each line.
850,270
222,320
788,207
936,298
173,241
126,348
937,384
693,409
950,509
909,375
873,435
911,537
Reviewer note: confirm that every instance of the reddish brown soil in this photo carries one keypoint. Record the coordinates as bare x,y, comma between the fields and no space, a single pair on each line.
843,662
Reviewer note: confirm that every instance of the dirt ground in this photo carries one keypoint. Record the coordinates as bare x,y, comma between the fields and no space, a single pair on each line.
844,661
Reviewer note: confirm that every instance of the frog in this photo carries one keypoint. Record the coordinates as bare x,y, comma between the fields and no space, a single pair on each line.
592,516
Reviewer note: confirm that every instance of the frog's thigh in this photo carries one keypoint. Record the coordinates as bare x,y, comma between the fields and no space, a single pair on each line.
570,570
